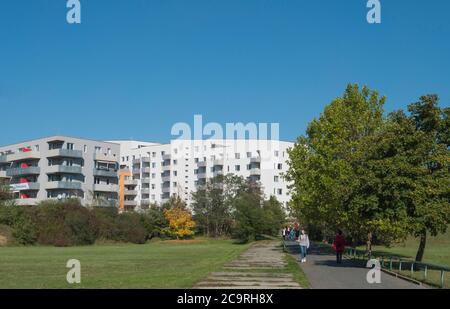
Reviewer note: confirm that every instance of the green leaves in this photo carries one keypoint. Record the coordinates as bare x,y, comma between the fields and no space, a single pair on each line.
358,171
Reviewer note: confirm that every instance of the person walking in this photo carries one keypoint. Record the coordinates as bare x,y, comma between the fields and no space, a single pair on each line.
284,232
303,240
339,246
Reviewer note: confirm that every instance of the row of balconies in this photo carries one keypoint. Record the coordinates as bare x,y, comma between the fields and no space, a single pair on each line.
64,185
35,170
66,153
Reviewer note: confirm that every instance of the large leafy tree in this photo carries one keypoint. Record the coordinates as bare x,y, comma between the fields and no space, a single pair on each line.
332,187
430,204
213,204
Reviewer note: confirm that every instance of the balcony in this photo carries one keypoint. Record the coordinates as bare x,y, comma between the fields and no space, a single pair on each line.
146,180
136,171
146,170
130,182
105,157
165,178
106,188
201,175
218,162
145,159
165,189
255,172
19,156
20,171
3,174
145,202
63,185
166,167
63,169
26,202
26,186
255,160
144,191
105,173
130,203
201,163
3,159
65,153
166,157
136,161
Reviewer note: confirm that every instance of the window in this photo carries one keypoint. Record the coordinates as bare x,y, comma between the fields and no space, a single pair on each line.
128,158
276,178
280,191
249,154
109,151
36,148
237,168
174,184
175,162
196,160
153,165
153,154
70,146
237,156
249,167
99,149
175,173
280,166
277,153
153,186
153,175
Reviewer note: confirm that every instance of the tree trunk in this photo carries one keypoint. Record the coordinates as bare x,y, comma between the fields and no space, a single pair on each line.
369,244
421,250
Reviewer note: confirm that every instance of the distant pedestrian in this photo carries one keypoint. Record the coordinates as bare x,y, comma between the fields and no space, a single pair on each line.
303,240
292,234
284,232
339,246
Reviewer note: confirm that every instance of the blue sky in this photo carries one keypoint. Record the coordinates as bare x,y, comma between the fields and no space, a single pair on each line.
133,68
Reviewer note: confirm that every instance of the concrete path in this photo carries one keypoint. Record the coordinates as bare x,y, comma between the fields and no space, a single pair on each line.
323,272
251,270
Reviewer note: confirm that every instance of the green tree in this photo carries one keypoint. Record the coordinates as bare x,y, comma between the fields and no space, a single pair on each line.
331,183
430,206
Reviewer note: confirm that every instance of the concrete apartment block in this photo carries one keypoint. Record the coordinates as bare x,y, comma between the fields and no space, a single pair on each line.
155,172
61,167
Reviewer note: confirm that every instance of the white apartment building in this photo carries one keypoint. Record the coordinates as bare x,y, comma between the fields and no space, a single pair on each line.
159,171
60,167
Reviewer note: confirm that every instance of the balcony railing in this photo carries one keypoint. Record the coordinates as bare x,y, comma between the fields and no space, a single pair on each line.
3,159
106,188
255,171
55,169
17,187
136,171
130,182
130,203
3,174
18,156
105,157
64,185
201,164
65,153
105,173
218,162
22,171
131,192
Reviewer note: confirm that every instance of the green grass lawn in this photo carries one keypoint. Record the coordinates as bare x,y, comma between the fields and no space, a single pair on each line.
437,250
168,264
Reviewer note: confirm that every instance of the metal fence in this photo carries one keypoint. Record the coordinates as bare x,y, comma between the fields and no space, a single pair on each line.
432,274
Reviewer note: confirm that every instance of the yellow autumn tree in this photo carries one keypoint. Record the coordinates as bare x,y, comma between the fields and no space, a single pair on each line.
180,220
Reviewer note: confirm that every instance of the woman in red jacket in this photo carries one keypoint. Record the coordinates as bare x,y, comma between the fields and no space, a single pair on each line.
339,246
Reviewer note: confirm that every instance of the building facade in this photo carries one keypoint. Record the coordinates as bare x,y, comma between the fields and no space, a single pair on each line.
152,173
133,174
60,167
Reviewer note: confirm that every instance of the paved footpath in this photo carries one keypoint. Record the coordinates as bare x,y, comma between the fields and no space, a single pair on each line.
251,270
323,272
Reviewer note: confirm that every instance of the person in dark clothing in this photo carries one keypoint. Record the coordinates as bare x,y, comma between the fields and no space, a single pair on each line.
339,246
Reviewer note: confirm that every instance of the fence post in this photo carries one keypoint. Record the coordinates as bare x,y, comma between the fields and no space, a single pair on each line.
390,263
425,274
400,265
412,270
442,278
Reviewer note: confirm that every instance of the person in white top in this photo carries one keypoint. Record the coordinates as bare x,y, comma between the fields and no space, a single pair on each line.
303,240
